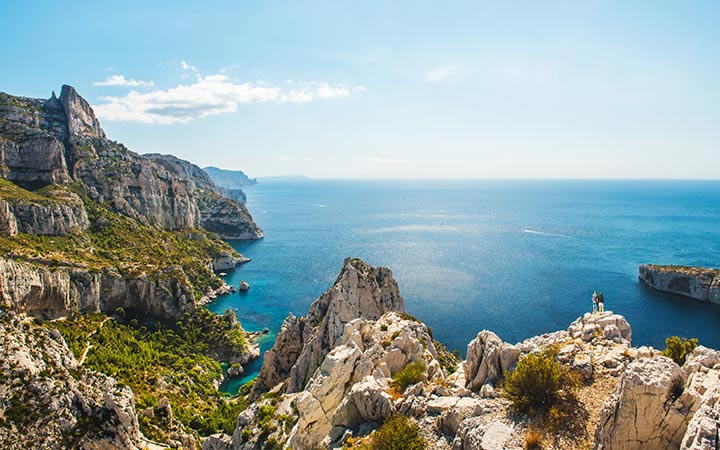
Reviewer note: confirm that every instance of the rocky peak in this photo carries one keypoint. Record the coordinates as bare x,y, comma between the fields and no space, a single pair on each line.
81,120
360,291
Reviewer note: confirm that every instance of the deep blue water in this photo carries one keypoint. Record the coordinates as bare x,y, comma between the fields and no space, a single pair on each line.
517,257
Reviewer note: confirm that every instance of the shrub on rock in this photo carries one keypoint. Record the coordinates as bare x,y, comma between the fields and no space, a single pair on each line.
678,348
398,433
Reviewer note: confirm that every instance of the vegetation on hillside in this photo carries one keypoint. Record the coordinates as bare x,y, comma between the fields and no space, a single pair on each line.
163,360
116,241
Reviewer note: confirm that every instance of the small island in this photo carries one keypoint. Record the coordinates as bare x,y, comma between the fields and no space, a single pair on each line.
695,282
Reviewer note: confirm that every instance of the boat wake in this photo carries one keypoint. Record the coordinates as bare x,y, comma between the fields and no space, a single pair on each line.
545,233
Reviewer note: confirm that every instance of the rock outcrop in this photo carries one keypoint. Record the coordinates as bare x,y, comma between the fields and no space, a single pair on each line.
219,212
694,282
47,401
642,412
56,141
361,291
630,398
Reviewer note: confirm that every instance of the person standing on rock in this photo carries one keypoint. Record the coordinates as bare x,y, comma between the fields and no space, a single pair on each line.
594,301
601,302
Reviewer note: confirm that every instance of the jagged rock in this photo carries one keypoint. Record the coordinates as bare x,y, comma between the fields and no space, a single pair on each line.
641,412
463,408
487,358
702,395
694,282
367,401
8,223
81,121
244,286
347,405
322,396
605,325
478,433
49,401
361,291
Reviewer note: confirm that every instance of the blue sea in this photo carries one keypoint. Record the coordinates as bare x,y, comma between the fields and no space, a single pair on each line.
519,258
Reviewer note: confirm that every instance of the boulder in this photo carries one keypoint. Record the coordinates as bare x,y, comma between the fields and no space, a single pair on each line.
642,412
484,362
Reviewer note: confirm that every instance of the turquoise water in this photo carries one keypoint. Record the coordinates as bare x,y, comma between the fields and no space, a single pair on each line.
517,257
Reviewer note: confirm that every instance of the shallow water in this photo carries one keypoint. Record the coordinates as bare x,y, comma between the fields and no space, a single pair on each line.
517,257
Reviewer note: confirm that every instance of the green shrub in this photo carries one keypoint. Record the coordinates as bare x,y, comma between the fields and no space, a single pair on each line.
678,348
539,383
398,433
246,435
409,375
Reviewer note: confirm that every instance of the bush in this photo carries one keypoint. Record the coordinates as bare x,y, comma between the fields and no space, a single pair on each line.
539,383
409,375
398,433
678,348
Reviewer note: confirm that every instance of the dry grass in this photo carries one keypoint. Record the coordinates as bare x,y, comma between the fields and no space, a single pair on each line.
533,439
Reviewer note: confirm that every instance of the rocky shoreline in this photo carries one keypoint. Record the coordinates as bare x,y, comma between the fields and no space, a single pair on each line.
331,373
694,282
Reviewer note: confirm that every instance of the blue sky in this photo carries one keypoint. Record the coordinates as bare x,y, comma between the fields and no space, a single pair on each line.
374,89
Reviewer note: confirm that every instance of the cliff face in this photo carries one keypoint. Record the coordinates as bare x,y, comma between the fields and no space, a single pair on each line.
60,140
57,292
694,282
126,228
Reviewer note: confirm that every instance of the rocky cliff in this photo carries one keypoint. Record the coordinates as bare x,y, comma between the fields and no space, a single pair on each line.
90,226
694,282
60,140
629,398
360,291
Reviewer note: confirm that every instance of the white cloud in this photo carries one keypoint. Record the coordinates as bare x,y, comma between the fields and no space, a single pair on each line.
441,74
207,96
120,80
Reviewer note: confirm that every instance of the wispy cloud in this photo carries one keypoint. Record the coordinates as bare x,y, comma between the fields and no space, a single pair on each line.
210,95
441,74
120,80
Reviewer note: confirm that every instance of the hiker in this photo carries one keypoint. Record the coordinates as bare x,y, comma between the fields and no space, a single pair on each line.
594,301
601,302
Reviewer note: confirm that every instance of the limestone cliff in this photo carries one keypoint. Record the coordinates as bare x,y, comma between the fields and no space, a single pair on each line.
60,140
360,291
92,226
52,292
694,282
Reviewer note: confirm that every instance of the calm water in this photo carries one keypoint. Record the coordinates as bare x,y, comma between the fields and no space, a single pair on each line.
517,257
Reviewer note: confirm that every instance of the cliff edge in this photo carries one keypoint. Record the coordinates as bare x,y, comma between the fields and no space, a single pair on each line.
694,282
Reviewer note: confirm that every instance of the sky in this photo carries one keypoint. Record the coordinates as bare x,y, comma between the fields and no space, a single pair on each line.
388,89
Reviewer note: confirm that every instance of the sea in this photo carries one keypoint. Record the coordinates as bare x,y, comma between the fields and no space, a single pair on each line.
520,258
